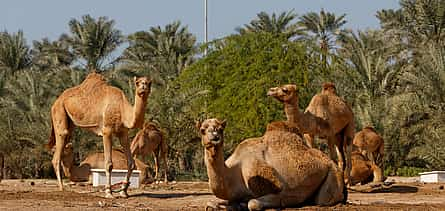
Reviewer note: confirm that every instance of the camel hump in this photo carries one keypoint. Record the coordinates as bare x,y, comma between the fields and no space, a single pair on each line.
92,81
369,128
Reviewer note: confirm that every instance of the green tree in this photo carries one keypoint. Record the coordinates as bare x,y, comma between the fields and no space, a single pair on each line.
163,52
93,40
14,53
324,26
236,78
55,54
275,24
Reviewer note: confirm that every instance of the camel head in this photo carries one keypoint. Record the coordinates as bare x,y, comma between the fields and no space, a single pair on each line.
285,93
211,131
143,86
328,88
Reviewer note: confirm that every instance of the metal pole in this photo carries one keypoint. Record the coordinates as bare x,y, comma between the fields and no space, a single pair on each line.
205,26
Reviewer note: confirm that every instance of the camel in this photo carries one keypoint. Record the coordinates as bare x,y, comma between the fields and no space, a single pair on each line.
272,171
102,109
310,123
151,140
363,170
371,145
82,172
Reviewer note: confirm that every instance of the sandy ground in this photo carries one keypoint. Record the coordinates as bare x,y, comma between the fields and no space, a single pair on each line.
44,195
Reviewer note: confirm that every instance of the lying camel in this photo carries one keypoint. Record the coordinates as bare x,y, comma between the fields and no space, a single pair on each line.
151,140
363,170
102,109
370,144
82,172
309,123
276,170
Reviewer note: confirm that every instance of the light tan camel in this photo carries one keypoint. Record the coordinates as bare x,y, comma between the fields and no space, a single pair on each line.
363,170
151,140
309,123
102,109
82,172
330,107
276,170
371,145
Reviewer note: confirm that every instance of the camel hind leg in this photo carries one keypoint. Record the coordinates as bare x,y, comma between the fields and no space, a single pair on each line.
164,152
123,137
333,189
62,128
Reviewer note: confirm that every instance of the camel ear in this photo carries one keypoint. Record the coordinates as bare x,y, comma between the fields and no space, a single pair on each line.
135,79
69,146
223,124
198,125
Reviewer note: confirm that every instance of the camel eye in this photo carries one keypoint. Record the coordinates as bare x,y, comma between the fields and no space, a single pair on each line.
285,90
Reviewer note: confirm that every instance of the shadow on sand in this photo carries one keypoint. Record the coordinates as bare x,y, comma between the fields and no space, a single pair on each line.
168,195
386,189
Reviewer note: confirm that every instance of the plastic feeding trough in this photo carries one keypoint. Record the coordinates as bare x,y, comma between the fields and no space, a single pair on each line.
432,176
117,176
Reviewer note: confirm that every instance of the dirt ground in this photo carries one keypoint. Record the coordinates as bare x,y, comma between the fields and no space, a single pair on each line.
44,195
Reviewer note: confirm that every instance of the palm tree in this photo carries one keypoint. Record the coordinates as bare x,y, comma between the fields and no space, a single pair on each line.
93,40
281,24
55,54
164,52
14,53
324,26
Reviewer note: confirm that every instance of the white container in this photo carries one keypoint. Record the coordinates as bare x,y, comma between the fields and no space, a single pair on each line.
432,176
117,175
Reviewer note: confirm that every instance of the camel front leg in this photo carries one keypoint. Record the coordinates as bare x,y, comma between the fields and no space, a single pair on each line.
107,139
309,138
156,160
123,136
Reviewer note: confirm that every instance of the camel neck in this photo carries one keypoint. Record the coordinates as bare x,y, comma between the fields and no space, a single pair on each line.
216,171
135,113
291,110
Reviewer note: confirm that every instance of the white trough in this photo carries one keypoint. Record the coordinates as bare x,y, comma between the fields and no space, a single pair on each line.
117,175
432,176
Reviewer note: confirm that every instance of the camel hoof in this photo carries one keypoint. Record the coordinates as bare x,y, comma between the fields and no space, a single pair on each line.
123,194
254,204
108,194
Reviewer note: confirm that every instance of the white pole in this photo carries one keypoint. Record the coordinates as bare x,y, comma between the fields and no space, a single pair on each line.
205,26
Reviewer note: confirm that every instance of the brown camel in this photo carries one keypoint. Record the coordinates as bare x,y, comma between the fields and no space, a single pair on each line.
82,172
102,109
276,170
151,140
363,170
371,145
309,123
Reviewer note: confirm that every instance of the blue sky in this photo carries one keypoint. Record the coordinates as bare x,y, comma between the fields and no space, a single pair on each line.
49,18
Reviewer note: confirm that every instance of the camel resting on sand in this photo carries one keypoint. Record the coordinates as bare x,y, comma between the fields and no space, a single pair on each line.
102,109
309,123
151,140
276,170
82,172
363,170
371,145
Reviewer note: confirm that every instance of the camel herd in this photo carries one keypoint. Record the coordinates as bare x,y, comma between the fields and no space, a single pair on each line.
279,169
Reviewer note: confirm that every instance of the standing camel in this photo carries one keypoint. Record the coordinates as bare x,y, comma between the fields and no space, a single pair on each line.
310,123
151,140
102,109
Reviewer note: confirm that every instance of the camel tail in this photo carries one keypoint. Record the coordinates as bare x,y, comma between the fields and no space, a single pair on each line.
52,138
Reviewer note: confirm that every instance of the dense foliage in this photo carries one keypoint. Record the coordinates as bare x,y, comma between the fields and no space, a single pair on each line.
393,76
